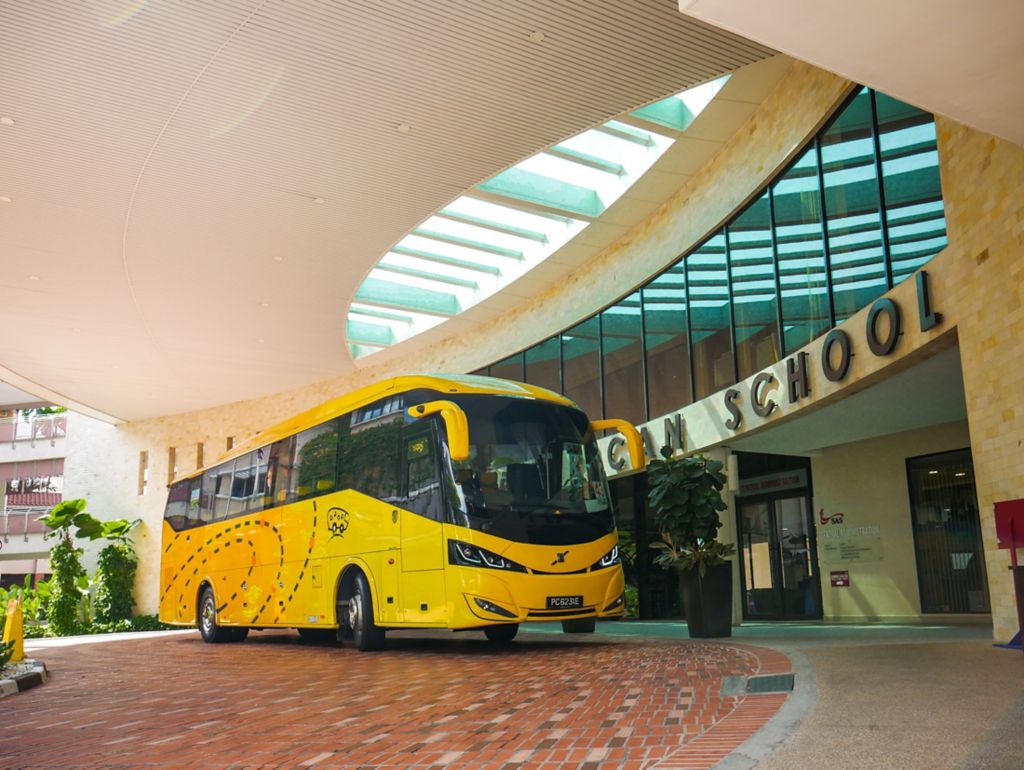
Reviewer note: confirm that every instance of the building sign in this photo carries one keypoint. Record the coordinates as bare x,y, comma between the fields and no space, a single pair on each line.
840,578
840,545
836,353
774,482
787,382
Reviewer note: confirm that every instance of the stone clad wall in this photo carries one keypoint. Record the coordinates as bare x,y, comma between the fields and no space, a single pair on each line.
983,280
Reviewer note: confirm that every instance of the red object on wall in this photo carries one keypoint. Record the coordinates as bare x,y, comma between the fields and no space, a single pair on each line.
840,578
1010,523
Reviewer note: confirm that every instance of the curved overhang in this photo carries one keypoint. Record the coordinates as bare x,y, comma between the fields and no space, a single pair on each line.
192,197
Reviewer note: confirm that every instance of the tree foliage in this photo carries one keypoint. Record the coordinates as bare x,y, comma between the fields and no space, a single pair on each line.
686,497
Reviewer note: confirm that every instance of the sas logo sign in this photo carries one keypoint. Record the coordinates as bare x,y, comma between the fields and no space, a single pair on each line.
835,518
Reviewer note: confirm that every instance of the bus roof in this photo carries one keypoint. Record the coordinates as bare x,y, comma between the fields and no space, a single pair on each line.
444,383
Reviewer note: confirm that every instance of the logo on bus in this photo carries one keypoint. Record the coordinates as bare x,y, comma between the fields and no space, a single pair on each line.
337,522
559,557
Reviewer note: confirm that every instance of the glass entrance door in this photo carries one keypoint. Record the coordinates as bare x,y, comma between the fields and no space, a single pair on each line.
779,569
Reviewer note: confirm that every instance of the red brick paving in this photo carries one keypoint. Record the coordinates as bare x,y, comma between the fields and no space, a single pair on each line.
429,700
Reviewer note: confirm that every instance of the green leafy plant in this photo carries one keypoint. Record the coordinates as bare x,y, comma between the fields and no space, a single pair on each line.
115,579
63,611
686,497
6,651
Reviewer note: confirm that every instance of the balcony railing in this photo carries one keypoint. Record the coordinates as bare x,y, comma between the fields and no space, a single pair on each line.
14,429
22,522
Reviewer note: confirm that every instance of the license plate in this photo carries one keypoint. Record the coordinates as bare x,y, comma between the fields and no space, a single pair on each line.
564,602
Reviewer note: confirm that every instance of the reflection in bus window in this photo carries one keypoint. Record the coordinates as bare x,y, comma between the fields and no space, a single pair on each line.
316,460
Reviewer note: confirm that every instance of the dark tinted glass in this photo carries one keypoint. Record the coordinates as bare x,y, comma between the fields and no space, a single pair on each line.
798,236
581,357
509,369
668,347
707,280
419,459
316,461
853,209
368,455
910,176
543,365
622,333
533,474
755,303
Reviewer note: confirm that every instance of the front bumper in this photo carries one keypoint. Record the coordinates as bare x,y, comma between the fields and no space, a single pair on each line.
481,597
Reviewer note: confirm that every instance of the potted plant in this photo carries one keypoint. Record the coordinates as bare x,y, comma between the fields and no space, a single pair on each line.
686,498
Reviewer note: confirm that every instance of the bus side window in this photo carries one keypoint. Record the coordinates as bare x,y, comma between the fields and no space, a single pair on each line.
368,458
280,470
195,492
422,485
316,461
222,497
208,495
176,513
259,499
242,483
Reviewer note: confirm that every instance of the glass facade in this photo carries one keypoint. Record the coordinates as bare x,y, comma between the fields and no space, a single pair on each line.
858,210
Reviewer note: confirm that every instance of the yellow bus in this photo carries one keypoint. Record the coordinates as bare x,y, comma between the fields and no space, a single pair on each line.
434,501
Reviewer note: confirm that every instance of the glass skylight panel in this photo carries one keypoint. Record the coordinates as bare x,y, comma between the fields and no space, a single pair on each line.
455,251
680,110
699,97
474,247
487,283
481,234
551,227
465,296
564,170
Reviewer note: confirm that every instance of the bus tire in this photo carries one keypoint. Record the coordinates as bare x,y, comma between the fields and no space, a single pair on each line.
367,635
501,634
206,619
579,626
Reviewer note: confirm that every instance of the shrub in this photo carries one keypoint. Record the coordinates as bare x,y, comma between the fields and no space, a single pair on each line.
116,580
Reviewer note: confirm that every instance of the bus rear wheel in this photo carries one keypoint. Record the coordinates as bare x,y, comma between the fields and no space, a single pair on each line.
579,626
211,632
505,632
367,635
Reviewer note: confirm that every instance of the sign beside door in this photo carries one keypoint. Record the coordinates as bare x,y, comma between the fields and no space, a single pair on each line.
840,578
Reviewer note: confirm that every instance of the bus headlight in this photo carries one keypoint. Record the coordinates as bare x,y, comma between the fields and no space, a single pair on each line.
467,555
610,559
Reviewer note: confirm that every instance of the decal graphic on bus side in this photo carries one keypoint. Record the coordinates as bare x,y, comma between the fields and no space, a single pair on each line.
337,522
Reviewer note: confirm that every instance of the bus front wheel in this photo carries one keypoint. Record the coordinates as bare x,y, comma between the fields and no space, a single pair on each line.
580,626
367,635
211,632
506,632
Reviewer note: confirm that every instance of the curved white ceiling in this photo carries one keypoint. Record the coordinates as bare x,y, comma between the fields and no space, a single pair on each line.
190,195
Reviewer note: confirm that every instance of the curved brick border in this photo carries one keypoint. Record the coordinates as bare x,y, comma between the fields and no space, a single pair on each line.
25,681
751,713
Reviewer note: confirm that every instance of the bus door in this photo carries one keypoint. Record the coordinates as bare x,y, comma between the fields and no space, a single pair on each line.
423,594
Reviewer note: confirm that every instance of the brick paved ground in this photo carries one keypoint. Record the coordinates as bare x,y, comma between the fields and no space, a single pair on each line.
429,700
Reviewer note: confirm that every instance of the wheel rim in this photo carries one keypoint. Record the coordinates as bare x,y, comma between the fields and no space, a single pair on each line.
208,615
355,612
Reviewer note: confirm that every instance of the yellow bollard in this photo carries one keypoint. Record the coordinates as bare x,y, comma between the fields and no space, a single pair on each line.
14,630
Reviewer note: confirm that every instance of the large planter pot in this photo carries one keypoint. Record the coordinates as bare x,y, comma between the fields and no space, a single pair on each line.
707,601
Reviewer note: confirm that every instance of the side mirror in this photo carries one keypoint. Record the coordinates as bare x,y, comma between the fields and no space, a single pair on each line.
455,422
634,442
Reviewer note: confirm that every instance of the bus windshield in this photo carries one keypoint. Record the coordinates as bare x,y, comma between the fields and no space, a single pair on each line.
533,473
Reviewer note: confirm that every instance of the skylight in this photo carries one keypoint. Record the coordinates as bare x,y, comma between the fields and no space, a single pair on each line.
510,223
